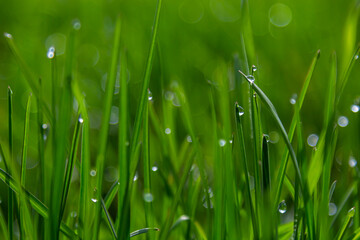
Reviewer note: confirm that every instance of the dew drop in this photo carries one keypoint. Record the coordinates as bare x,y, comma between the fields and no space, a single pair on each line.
81,120
76,24
93,173
332,209
222,142
51,52
293,99
355,108
169,96
188,139
136,177
312,140
239,110
343,121
356,57
94,200
352,162
253,69
167,131
230,141
250,78
8,35
274,137
148,197
282,207
44,126
150,96
73,214
154,168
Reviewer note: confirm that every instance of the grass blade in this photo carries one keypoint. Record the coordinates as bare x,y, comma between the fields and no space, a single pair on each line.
109,92
239,112
273,112
70,164
108,218
10,165
25,142
144,91
346,223
141,231
124,176
285,156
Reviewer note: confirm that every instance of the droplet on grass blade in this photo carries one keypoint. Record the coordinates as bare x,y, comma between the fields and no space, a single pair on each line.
51,53
343,121
93,173
356,57
150,96
293,99
135,177
167,131
222,142
253,69
76,24
94,200
8,35
73,214
250,78
352,162
332,209
312,140
282,207
154,168
355,108
148,197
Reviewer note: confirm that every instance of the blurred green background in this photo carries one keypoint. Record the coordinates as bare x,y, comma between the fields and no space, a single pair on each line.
196,39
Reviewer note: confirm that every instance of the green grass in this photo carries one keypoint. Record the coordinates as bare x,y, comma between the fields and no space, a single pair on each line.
171,120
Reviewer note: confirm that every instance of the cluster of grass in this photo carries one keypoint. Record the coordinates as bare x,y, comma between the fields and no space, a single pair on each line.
159,162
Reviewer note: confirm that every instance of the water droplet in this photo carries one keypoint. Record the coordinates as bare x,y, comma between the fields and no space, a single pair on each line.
239,110
312,140
154,168
343,121
51,52
73,214
274,137
293,99
150,96
188,139
195,172
332,209
250,78
8,35
280,15
355,108
94,200
222,142
93,173
266,136
148,197
253,69
111,174
282,207
352,162
76,24
136,177
167,131
81,120
169,96
356,57
184,217
230,141
58,41
114,116
44,126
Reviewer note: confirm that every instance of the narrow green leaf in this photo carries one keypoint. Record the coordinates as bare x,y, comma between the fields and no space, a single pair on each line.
109,92
10,165
25,142
239,112
345,224
141,231
108,218
285,156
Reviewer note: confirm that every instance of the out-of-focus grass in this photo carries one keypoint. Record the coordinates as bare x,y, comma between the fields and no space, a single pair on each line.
185,164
